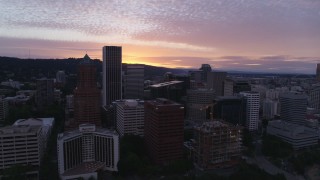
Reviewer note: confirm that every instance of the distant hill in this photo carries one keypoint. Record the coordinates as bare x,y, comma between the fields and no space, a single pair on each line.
31,69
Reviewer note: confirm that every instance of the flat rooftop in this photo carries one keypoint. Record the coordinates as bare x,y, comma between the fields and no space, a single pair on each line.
165,84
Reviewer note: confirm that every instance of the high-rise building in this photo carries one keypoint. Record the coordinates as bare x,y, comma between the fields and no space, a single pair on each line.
293,108
318,72
87,97
164,130
24,143
172,90
130,117
134,81
217,144
270,108
215,80
199,102
4,110
112,80
315,97
44,92
231,109
228,87
252,110
84,151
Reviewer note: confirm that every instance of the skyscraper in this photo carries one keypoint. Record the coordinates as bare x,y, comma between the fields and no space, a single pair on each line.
164,130
134,81
86,95
253,105
112,67
215,81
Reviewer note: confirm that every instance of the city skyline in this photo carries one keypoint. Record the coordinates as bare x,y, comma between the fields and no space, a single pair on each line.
262,36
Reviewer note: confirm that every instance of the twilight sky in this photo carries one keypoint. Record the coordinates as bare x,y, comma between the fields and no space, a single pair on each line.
245,35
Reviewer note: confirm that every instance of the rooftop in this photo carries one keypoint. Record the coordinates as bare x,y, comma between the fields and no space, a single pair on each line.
165,84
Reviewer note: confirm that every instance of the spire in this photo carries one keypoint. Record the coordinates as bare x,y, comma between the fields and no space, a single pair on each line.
86,59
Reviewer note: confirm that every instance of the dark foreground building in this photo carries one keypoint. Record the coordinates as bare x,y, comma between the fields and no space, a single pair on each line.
164,130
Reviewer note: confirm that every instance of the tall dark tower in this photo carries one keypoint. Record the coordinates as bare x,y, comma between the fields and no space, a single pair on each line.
163,130
86,95
112,67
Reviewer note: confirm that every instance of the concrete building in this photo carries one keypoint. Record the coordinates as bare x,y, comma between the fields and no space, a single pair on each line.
164,120
44,92
215,81
217,144
112,78
298,136
272,94
228,87
87,97
85,151
134,81
314,97
252,110
130,117
24,143
270,108
293,108
199,103
4,110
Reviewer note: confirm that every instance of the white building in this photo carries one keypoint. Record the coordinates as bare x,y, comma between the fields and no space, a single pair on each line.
296,135
253,105
82,152
130,117
24,142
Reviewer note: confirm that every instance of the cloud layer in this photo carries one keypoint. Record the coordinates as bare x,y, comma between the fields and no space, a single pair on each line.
178,28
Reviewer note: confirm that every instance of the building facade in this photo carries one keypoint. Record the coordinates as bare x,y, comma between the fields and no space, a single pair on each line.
134,81
215,81
314,97
252,110
172,90
199,103
112,78
24,143
87,97
164,121
44,92
298,136
293,108
4,110
87,150
217,144
130,117
231,109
